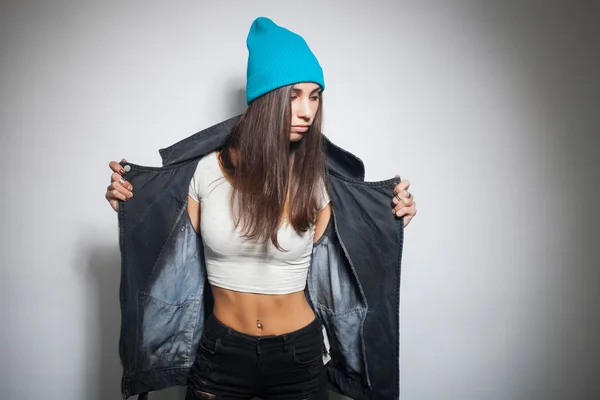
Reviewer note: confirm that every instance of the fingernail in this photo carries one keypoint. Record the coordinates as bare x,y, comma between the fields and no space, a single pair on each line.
122,181
121,171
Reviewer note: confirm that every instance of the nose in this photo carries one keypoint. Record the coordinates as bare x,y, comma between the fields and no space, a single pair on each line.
304,109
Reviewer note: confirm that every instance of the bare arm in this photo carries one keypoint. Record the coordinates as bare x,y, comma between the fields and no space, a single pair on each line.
322,221
194,213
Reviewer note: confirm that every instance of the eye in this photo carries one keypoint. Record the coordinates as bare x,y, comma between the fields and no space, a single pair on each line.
294,97
315,98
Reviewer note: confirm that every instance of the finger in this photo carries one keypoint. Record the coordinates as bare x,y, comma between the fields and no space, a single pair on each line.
114,204
410,214
400,211
116,167
403,185
404,198
118,178
402,194
398,204
122,188
118,187
116,191
408,202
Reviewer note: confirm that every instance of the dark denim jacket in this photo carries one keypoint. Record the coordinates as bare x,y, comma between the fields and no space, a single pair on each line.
353,282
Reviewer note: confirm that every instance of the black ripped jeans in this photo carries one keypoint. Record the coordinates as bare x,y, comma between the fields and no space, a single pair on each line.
234,365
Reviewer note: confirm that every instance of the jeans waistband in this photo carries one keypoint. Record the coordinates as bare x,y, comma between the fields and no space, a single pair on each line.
220,329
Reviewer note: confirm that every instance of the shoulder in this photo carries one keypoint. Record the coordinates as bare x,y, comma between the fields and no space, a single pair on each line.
208,166
209,161
323,194
207,171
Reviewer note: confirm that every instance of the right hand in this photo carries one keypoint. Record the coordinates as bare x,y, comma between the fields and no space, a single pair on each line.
119,188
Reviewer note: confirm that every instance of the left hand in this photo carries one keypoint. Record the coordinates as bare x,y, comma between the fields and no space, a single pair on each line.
404,202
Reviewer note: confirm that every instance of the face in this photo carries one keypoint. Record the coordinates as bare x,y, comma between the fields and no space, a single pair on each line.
305,100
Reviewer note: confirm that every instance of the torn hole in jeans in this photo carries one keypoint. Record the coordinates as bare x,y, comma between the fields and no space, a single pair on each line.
202,394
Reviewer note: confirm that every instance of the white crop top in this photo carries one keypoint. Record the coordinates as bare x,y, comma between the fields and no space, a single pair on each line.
236,263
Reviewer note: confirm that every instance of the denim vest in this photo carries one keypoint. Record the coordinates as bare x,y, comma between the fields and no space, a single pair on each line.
353,282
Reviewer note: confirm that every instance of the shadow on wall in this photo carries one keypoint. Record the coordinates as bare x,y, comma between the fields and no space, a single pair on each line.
104,265
104,268
235,100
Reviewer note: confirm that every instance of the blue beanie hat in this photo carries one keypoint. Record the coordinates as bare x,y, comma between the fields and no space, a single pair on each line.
277,57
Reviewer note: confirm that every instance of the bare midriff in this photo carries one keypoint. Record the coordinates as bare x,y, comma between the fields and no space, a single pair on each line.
261,314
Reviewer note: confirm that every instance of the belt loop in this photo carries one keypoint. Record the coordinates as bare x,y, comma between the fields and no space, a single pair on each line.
285,343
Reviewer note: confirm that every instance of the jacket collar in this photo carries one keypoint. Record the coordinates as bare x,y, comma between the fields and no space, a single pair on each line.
199,144
210,139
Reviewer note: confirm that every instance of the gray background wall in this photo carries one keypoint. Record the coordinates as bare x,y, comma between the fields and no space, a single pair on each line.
492,109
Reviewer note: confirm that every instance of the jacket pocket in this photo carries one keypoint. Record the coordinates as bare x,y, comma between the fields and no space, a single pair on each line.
337,299
166,333
346,340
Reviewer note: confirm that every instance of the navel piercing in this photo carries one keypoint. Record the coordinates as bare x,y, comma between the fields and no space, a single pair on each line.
258,324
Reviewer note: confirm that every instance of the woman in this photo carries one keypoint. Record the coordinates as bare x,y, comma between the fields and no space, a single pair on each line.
260,202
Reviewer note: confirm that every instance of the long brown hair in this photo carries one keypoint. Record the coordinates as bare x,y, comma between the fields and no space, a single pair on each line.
272,175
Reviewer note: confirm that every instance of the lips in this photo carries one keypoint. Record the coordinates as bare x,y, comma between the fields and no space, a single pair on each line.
300,128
